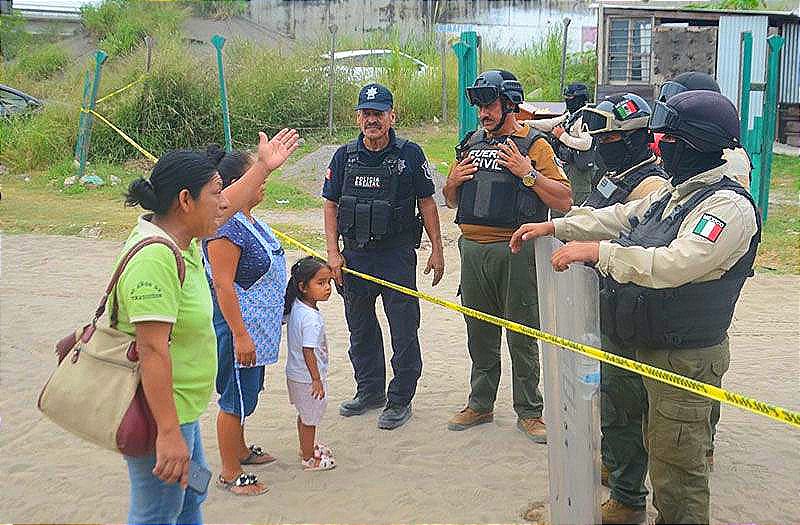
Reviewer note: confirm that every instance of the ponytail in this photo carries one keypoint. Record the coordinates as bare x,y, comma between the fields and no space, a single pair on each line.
302,272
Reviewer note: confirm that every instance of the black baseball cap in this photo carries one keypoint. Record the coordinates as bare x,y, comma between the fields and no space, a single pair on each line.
375,96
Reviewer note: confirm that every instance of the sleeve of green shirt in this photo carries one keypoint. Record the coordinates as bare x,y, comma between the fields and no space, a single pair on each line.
149,286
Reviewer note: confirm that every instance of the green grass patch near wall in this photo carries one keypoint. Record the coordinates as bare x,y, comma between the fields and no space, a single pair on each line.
780,239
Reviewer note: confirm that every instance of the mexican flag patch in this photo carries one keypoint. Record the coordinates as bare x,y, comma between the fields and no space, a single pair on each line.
626,108
709,227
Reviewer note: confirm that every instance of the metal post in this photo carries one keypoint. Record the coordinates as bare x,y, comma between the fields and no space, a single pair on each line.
567,21
82,118
466,52
775,43
218,41
100,58
148,41
443,59
745,78
331,78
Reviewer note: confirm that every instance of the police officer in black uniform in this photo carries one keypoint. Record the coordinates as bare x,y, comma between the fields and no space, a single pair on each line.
673,265
373,188
619,126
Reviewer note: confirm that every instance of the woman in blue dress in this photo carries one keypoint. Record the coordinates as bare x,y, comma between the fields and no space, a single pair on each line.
248,274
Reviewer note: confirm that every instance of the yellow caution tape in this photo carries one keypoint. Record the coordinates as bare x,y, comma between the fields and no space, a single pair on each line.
120,90
664,376
716,393
130,141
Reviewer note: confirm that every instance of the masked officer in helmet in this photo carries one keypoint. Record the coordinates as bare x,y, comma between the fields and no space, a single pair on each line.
619,127
372,190
673,266
570,141
505,176
737,161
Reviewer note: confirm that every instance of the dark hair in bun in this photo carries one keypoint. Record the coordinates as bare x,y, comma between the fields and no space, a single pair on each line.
231,166
174,172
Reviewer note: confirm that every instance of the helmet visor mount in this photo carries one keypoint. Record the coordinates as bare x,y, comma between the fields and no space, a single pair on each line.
597,121
482,95
669,90
663,119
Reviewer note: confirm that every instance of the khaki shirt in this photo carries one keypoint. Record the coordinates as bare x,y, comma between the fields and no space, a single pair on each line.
644,188
691,257
737,166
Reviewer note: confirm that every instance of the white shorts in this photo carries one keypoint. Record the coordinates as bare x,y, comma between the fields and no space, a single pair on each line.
308,408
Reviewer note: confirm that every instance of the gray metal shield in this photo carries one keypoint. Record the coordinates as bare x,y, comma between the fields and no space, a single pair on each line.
569,308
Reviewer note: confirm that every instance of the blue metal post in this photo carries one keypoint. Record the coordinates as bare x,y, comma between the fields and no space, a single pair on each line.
218,41
100,58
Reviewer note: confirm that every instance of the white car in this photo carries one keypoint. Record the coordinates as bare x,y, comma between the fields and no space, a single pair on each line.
363,65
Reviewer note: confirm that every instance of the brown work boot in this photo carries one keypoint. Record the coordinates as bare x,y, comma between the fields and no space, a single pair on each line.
534,428
604,475
616,512
469,418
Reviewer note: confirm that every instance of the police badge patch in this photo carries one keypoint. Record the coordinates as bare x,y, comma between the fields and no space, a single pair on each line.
401,166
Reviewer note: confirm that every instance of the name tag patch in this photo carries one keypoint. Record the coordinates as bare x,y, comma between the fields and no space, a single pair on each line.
366,181
606,187
709,227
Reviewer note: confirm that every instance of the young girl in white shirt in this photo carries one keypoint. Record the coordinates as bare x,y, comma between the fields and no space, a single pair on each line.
307,361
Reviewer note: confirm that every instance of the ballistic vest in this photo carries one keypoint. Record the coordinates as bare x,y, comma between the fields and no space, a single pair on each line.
369,209
694,315
614,190
494,196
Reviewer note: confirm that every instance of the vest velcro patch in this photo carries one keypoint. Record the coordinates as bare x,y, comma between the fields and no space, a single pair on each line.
709,227
367,181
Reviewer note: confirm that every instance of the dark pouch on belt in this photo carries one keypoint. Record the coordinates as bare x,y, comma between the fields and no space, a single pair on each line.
363,213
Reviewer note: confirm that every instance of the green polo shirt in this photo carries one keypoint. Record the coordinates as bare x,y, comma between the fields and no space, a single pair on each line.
149,290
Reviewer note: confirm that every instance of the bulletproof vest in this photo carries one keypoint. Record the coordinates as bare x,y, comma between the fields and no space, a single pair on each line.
694,315
494,196
369,209
614,190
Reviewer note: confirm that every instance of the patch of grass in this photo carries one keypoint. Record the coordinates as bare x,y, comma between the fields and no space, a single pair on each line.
120,25
282,195
41,61
217,9
310,238
780,237
15,37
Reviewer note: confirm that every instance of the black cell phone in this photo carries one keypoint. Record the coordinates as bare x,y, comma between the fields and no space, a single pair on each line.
199,477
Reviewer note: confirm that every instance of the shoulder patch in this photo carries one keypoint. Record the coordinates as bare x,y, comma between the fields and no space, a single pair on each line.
429,170
709,227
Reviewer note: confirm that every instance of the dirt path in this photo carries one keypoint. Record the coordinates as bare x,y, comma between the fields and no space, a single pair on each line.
420,473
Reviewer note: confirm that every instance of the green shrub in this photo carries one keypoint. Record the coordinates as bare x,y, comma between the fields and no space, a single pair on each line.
217,9
40,62
15,38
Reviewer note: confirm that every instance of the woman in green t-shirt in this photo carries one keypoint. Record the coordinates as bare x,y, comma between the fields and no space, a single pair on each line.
173,323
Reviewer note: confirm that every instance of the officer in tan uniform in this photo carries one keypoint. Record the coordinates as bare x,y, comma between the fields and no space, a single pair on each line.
673,265
506,176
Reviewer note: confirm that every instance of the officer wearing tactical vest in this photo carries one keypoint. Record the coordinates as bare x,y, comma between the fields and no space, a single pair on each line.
570,141
672,275
619,126
505,176
372,189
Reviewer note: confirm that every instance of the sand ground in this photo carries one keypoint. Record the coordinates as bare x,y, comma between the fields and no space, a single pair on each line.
418,473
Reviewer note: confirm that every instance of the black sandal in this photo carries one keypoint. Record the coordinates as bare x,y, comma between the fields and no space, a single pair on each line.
254,458
245,479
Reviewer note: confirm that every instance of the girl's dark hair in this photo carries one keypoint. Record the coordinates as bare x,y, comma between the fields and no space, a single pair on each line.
174,172
302,271
231,166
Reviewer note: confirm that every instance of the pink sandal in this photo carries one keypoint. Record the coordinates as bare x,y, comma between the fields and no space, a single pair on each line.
319,461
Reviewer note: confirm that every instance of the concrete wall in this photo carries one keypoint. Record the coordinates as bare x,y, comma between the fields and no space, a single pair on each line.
680,49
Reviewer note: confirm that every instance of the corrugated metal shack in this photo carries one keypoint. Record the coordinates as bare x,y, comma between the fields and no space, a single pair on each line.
640,47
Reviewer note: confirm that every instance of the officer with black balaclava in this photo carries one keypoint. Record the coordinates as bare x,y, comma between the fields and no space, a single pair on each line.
619,127
673,265
570,141
373,189
505,175
737,161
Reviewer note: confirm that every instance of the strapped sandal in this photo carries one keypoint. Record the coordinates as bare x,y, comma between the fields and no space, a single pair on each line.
318,447
318,461
245,479
257,456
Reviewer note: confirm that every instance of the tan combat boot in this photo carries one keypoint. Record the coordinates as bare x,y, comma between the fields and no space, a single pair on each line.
616,512
534,428
469,418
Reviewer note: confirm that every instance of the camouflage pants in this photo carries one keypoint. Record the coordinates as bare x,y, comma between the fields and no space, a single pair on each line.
678,431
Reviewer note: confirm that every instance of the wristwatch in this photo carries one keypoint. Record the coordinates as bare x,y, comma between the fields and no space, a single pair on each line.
530,179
